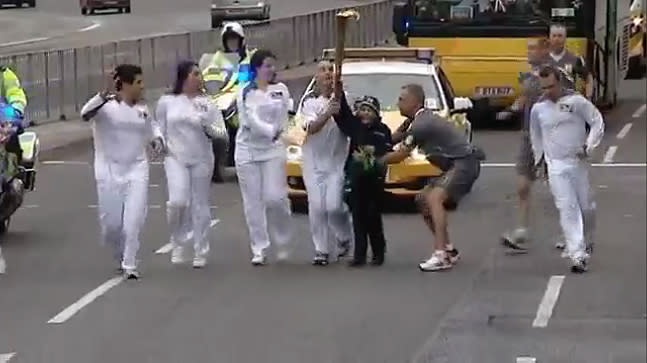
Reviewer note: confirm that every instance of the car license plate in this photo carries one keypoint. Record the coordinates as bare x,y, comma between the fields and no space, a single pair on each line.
493,91
235,11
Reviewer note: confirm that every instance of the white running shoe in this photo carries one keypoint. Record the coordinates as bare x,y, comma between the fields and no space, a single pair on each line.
131,274
258,260
177,255
438,261
199,262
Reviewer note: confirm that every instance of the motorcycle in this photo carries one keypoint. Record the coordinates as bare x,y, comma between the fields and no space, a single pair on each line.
17,177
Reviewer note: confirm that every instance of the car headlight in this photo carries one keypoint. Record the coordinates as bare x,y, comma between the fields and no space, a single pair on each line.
417,155
293,153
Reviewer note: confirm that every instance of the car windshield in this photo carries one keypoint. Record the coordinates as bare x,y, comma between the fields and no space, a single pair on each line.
482,12
386,88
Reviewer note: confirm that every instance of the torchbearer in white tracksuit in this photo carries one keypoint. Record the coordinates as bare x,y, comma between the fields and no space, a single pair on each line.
324,154
122,131
260,158
188,121
558,131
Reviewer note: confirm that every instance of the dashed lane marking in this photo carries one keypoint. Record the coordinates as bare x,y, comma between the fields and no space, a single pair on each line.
86,300
624,131
547,304
526,360
608,157
6,357
639,111
168,247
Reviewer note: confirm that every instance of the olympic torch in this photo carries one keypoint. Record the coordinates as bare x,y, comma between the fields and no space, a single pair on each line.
342,20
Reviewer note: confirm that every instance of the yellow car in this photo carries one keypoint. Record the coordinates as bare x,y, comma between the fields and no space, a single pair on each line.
381,72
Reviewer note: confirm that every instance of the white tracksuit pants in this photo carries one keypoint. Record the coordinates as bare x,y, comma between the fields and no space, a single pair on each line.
187,208
327,212
569,183
123,204
264,190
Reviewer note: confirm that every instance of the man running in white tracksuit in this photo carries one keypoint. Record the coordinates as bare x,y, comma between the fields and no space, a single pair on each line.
324,154
122,131
558,131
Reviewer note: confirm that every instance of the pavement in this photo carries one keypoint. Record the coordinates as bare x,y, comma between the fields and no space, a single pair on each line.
62,302
33,30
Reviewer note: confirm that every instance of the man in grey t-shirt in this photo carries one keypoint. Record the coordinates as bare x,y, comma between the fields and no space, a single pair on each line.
447,148
572,66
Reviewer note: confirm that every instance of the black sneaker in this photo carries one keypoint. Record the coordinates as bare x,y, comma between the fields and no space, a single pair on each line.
377,260
344,248
589,248
321,259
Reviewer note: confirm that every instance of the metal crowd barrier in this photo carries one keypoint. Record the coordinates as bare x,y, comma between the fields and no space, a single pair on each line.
59,82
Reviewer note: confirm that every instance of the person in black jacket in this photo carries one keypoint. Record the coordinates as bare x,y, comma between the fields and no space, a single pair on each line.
370,140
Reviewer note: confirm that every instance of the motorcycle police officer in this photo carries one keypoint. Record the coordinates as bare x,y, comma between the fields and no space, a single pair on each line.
224,70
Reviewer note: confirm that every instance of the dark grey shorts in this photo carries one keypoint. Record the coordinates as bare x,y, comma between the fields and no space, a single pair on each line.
526,160
457,181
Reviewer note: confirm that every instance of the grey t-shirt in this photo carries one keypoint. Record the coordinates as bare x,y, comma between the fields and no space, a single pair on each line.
438,139
571,66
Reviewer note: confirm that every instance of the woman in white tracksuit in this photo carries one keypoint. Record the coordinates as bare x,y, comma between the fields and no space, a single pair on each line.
558,132
260,158
188,120
122,130
324,155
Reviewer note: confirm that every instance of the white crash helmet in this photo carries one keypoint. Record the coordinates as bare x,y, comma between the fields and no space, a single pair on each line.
231,29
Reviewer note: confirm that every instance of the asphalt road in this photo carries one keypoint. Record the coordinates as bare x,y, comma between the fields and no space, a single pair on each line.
481,311
38,31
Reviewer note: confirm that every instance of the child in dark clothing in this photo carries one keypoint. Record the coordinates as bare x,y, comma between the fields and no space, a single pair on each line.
370,140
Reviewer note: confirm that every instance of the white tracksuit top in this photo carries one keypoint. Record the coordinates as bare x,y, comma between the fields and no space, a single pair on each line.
121,132
558,129
182,121
326,150
261,115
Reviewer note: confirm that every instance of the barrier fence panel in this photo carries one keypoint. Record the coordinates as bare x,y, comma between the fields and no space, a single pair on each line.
59,82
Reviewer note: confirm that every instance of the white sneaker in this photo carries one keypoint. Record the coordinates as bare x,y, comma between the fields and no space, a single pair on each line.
438,261
131,274
199,262
177,255
258,260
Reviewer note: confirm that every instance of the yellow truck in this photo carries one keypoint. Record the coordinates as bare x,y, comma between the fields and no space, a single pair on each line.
482,44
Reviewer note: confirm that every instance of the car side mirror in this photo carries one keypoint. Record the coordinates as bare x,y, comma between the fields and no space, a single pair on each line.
291,110
462,104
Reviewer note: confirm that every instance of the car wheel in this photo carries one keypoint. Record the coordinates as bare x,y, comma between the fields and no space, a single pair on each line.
266,12
84,11
18,3
215,22
127,9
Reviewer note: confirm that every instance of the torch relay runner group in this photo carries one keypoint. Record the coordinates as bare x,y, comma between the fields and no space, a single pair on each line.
346,153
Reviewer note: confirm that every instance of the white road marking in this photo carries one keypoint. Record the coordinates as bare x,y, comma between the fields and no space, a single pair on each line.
526,360
168,247
155,206
595,165
152,206
64,162
154,185
29,206
87,28
639,111
608,157
85,300
548,302
6,357
26,41
624,131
